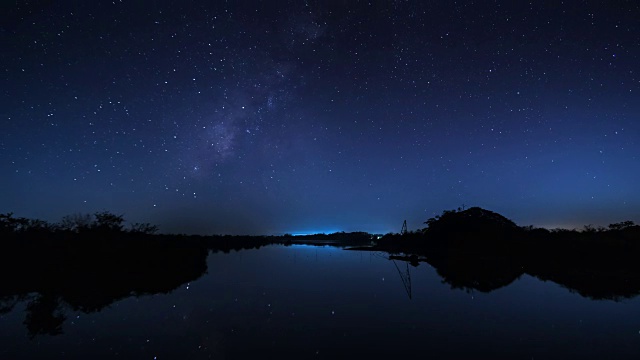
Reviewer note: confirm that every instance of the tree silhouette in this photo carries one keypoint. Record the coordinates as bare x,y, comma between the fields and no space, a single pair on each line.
107,222
621,225
102,221
143,228
44,316
10,224
76,222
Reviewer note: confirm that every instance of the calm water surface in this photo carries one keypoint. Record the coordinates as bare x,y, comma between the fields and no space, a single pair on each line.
324,302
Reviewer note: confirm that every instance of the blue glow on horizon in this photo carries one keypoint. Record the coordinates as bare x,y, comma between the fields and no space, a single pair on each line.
314,232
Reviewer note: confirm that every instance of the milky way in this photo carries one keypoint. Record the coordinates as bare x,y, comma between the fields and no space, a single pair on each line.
273,117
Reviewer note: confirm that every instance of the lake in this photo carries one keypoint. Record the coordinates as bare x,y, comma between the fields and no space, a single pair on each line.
303,301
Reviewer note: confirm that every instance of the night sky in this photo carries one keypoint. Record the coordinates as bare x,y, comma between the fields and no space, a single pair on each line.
271,117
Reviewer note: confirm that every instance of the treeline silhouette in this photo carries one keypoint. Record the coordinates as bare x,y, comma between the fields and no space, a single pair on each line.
88,261
477,249
85,263
104,225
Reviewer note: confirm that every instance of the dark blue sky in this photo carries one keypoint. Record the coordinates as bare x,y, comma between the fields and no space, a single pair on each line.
266,117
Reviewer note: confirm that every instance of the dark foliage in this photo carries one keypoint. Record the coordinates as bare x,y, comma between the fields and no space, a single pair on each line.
477,249
473,221
87,262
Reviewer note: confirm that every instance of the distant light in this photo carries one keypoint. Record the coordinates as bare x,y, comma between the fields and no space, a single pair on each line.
313,232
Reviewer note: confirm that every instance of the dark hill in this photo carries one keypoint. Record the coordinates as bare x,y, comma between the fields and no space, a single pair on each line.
474,220
474,231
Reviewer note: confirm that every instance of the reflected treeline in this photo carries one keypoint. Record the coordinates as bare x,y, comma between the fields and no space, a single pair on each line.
87,262
477,249
55,274
87,274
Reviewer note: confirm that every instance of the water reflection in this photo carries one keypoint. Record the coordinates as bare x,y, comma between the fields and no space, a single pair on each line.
593,275
301,302
54,281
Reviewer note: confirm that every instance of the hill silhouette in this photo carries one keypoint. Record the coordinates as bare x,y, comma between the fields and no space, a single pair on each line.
473,221
477,249
87,262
